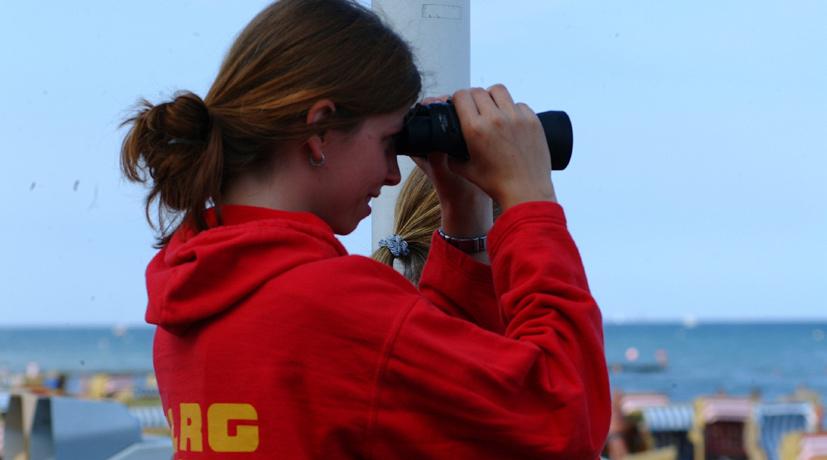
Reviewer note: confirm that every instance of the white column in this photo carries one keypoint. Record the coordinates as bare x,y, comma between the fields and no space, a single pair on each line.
440,35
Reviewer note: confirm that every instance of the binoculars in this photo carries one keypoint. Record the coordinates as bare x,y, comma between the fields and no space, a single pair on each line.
436,128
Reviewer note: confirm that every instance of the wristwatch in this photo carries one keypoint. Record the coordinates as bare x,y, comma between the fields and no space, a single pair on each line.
467,245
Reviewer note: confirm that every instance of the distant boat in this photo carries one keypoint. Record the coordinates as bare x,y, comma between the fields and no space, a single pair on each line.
119,330
631,365
690,321
637,368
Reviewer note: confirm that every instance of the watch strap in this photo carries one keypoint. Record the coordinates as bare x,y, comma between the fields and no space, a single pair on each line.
471,245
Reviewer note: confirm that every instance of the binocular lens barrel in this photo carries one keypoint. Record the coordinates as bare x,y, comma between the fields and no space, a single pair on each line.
559,136
436,128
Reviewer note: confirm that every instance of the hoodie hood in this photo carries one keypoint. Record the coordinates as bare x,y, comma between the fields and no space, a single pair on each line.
198,275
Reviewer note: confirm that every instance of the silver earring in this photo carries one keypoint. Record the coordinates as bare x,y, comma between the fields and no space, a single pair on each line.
315,163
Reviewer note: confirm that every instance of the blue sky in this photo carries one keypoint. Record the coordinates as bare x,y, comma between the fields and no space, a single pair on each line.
697,187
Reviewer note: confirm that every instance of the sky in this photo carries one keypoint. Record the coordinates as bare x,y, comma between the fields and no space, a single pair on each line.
696,190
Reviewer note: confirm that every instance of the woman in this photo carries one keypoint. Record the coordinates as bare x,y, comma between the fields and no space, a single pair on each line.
273,342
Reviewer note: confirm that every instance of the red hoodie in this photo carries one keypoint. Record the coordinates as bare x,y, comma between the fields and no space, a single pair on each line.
274,343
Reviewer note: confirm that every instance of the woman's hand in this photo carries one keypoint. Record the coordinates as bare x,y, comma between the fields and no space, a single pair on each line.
510,158
467,211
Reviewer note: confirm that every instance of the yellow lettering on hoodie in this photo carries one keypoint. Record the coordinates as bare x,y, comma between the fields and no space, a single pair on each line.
190,428
218,428
171,421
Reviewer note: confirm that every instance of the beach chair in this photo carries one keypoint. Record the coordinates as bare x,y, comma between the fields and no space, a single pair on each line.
107,429
669,426
771,422
803,394
718,427
665,453
150,417
145,387
5,397
121,387
77,385
804,446
153,448
632,406
637,402
813,446
60,428
18,425
790,446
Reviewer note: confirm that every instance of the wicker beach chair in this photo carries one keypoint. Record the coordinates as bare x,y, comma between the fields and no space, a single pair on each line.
632,406
718,429
804,446
666,453
150,417
145,387
77,384
813,447
637,402
669,426
771,422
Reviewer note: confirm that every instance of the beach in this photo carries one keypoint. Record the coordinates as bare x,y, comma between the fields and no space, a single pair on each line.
680,363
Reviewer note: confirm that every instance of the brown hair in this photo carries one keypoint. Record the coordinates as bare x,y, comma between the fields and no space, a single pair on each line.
417,215
292,54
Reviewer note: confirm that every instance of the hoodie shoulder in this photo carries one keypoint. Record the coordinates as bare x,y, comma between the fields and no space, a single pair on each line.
344,300
348,278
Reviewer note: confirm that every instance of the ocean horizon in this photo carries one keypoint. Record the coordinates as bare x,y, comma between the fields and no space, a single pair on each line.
682,359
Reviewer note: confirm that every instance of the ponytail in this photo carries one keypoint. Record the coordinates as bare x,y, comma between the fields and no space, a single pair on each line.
177,148
417,216
291,55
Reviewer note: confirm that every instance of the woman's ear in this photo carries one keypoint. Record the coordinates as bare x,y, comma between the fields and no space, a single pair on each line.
320,110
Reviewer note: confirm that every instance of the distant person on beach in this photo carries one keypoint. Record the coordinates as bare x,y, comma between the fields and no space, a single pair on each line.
273,342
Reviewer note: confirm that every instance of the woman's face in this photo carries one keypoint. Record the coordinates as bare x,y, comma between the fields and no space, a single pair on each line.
357,165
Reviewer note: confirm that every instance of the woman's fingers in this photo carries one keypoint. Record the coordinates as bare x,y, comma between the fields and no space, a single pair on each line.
465,105
502,98
485,104
509,155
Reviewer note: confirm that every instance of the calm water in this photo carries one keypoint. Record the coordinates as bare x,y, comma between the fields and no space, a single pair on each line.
736,358
77,349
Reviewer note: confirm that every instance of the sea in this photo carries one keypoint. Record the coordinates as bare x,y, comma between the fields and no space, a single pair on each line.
682,360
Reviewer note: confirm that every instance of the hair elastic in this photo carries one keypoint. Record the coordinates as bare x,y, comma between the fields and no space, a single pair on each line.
396,245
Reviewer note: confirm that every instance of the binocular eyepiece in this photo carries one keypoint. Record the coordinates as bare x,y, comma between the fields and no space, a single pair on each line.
436,128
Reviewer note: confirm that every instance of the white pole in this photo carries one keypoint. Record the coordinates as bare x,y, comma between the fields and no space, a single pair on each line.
440,34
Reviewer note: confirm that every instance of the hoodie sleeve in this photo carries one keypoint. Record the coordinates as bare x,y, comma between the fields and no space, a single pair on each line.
460,286
449,389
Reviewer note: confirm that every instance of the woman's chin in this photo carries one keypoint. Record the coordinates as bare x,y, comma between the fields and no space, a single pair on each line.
346,228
